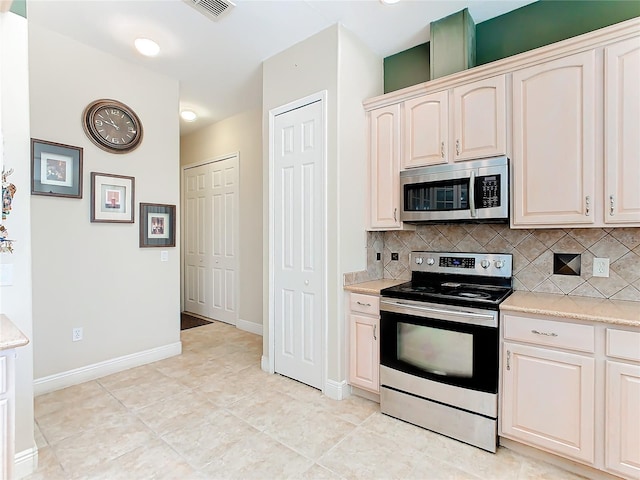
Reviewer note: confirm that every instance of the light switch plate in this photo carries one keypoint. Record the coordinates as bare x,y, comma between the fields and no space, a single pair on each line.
164,256
600,267
6,274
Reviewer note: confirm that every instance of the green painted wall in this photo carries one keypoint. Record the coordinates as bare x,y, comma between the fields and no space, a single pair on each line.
19,7
532,26
407,68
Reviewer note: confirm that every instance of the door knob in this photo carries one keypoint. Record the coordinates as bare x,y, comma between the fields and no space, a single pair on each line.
306,282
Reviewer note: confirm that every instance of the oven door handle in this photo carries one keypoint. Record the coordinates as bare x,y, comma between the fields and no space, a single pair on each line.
484,319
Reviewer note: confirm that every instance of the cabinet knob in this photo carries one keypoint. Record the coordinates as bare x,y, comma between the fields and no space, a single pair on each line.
457,147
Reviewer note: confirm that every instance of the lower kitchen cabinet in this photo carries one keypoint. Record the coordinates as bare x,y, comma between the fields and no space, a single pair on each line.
548,400
364,348
622,425
572,389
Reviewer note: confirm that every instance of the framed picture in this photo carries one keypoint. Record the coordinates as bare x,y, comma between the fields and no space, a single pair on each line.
56,169
112,198
157,225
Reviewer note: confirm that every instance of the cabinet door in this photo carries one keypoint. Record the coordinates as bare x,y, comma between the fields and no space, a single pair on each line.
384,158
426,121
622,140
548,400
622,445
480,119
553,160
364,352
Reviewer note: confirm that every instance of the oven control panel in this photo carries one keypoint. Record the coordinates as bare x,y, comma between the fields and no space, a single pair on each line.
487,264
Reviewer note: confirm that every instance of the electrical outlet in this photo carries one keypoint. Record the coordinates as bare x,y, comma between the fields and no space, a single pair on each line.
76,334
600,267
394,256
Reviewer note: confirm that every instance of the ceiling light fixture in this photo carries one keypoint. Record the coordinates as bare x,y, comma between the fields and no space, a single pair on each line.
147,47
389,2
188,115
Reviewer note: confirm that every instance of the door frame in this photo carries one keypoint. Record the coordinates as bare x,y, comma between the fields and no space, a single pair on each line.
273,113
183,219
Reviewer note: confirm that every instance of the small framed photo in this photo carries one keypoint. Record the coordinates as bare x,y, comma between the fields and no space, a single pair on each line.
157,225
112,198
56,169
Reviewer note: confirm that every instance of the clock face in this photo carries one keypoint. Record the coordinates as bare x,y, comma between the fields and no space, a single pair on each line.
112,126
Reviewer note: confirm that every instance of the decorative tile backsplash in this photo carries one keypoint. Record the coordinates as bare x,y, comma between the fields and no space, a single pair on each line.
532,252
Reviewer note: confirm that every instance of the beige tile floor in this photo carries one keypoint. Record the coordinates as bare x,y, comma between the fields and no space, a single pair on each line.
211,413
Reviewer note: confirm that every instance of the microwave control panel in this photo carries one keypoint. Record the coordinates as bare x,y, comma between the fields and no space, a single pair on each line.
488,191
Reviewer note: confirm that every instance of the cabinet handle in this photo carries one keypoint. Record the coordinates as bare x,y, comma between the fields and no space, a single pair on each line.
457,147
374,332
611,206
546,334
442,149
508,360
587,204
395,214
363,304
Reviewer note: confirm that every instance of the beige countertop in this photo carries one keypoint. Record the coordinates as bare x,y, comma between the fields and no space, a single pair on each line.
10,335
619,312
373,287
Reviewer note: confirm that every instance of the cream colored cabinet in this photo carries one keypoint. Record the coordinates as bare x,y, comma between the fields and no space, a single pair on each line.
426,128
480,119
6,414
463,123
622,425
554,149
548,386
622,127
364,348
384,168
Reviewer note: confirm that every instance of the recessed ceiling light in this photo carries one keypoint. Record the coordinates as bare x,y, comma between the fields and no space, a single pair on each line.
147,47
188,115
389,2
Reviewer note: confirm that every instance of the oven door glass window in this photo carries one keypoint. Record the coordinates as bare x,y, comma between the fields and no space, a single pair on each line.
443,351
434,350
437,196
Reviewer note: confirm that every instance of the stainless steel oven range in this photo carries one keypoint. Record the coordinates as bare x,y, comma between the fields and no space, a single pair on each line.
439,344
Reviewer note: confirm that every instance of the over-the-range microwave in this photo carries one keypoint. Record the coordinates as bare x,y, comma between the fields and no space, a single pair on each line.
476,190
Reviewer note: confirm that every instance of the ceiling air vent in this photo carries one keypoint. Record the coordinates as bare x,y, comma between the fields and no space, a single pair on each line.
212,8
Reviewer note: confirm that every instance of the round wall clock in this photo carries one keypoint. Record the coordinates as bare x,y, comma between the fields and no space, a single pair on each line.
112,126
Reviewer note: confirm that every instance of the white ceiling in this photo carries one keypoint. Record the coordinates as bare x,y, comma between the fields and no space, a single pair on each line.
218,63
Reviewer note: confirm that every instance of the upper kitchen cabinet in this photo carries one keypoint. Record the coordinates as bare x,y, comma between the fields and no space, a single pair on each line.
426,122
384,168
480,119
554,148
463,123
622,127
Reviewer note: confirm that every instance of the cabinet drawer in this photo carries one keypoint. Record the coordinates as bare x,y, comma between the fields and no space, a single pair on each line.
623,344
571,336
368,304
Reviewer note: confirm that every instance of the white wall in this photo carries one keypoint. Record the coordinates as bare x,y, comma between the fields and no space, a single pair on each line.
241,133
94,275
332,60
15,300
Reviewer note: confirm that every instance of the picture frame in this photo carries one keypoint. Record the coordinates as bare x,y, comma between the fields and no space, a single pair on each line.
157,225
112,198
56,169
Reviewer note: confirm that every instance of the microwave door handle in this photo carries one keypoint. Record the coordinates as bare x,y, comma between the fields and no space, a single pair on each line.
472,193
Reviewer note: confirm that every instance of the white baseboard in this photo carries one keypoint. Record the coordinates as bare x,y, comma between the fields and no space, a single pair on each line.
26,462
248,326
57,381
336,390
264,364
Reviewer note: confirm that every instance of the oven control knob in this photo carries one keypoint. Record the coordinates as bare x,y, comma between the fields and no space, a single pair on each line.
499,264
430,261
485,263
419,260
